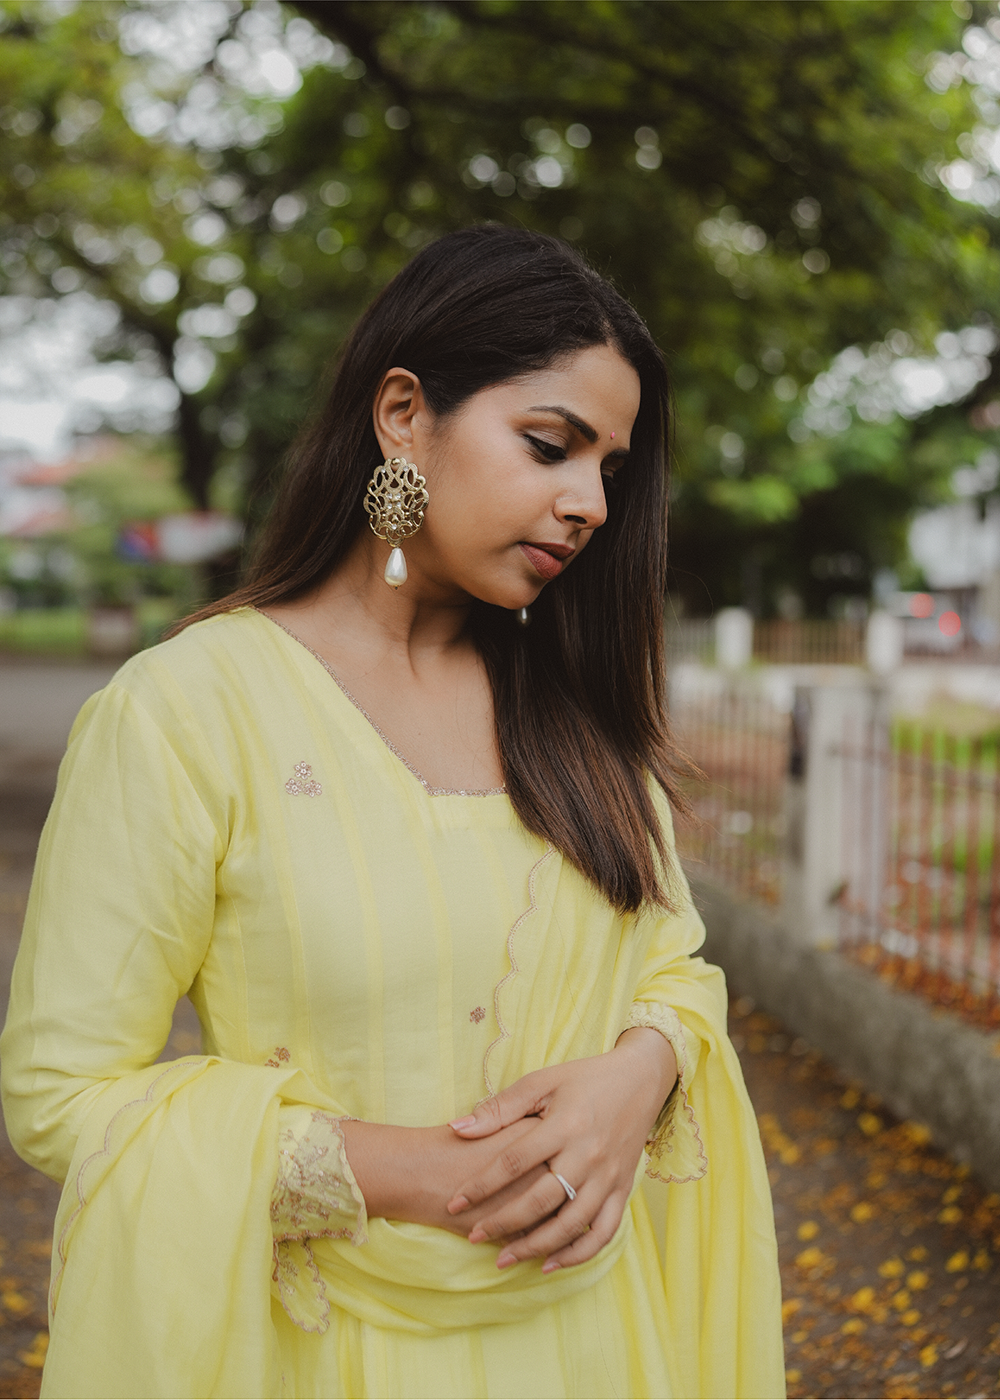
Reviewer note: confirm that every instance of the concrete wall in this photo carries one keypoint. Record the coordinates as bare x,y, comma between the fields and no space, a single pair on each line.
924,1063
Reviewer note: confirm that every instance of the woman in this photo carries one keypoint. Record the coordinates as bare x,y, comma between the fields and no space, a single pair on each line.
395,816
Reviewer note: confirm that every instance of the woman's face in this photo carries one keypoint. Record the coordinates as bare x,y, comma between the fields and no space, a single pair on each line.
515,477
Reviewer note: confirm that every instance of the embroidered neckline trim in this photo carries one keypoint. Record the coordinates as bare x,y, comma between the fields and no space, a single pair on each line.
431,791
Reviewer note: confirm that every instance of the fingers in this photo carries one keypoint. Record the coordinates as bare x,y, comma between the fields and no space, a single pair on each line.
515,1218
521,1099
571,1236
520,1155
601,1232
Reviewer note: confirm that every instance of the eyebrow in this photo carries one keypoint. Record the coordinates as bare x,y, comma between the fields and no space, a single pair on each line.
580,424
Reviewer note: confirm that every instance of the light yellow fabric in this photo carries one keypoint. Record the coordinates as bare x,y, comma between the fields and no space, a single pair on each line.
356,946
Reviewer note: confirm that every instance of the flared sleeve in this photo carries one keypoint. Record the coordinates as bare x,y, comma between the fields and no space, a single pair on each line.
706,1188
674,1148
195,1179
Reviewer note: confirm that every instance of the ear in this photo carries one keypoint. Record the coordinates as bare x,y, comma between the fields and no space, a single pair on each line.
398,402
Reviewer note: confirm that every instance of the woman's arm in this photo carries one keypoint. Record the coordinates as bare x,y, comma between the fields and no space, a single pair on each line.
413,1173
589,1118
119,920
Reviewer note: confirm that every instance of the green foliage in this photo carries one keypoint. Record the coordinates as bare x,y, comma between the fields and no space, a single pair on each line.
51,631
757,178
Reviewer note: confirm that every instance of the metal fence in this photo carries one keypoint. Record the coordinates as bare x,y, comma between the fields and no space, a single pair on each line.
689,639
800,643
826,641
810,643
907,823
920,902
738,737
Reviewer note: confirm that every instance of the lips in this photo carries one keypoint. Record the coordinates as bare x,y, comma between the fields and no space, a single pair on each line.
547,559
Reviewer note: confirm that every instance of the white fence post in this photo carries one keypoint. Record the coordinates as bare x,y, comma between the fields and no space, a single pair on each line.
733,638
831,807
883,642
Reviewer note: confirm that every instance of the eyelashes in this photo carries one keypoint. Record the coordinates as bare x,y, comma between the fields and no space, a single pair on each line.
552,452
548,451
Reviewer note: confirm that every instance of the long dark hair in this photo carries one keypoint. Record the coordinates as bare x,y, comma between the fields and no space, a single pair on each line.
579,695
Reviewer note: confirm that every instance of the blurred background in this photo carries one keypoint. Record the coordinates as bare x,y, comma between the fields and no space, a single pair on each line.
198,198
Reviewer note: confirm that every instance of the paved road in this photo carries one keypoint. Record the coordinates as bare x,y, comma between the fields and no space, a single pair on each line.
888,1249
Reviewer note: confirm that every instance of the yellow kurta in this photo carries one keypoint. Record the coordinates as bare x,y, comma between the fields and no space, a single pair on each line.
229,826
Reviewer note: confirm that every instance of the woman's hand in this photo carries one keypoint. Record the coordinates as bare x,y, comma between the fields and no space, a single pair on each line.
588,1120
412,1173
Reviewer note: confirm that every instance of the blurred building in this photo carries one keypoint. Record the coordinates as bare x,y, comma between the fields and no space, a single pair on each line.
958,548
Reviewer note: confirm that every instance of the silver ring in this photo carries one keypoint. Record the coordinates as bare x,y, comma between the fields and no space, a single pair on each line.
570,1193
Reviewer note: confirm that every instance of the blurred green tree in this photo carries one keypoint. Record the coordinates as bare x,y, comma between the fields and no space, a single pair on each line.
761,180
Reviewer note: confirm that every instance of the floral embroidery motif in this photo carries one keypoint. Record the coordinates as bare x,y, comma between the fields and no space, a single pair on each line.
315,1197
303,783
281,1056
675,1133
431,791
477,1014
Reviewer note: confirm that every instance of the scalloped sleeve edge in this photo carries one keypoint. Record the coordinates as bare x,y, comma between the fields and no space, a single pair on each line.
674,1147
315,1196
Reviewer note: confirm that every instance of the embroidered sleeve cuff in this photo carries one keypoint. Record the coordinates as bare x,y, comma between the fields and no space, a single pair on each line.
315,1195
674,1146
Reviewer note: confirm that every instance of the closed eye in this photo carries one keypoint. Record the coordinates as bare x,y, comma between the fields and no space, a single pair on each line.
548,451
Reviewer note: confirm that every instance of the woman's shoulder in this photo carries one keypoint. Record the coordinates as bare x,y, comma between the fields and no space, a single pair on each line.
215,644
217,657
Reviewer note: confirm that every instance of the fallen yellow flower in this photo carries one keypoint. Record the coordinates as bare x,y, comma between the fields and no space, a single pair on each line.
35,1358
810,1258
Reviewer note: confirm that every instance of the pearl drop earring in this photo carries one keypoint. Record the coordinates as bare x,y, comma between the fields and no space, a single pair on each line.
395,502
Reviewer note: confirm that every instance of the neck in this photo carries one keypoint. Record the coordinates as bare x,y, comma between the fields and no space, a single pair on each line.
358,609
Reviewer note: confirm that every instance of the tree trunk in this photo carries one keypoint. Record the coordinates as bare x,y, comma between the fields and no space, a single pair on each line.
199,452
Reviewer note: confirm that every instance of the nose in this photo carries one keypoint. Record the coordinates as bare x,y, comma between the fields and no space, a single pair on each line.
584,505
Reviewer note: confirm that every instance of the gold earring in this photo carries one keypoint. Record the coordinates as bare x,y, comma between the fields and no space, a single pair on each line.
395,502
